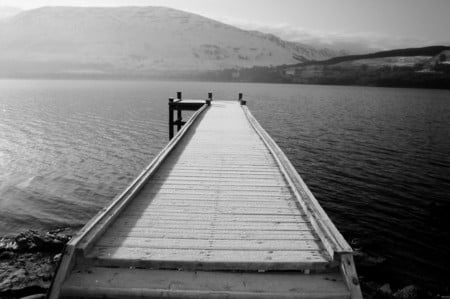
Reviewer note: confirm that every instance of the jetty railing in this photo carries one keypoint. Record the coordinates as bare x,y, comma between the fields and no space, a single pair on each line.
85,238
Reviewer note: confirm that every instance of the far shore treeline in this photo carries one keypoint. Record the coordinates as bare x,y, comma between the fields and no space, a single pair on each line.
427,67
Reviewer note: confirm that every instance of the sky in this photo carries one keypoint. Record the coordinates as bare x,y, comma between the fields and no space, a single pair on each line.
355,24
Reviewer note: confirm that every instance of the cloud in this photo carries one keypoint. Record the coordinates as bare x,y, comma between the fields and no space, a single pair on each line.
349,42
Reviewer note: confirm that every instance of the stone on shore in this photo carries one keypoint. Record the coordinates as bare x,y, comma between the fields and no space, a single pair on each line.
28,261
411,292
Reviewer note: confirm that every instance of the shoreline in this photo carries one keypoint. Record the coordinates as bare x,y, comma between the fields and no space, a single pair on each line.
29,259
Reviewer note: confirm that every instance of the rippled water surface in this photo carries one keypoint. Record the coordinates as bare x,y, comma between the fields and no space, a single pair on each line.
377,159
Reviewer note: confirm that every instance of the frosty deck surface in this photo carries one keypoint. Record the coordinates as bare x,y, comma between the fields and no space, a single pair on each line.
220,212
219,201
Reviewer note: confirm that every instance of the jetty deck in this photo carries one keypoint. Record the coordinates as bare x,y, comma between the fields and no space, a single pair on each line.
220,212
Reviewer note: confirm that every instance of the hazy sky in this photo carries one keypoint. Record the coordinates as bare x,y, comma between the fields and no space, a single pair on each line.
380,23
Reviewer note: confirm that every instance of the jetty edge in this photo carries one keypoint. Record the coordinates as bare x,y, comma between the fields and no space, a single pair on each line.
220,212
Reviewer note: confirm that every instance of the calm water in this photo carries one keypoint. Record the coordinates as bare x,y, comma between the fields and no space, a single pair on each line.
377,159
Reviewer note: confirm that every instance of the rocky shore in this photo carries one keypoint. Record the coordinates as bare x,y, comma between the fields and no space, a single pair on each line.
28,261
373,282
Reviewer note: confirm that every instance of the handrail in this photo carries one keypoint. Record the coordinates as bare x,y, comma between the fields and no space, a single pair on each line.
332,239
91,231
138,183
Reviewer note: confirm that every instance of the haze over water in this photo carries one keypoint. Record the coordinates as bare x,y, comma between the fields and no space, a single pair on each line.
377,159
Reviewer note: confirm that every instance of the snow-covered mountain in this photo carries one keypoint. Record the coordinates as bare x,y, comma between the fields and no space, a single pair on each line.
136,40
8,11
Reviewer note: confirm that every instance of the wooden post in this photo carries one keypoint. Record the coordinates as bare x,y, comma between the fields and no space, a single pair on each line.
179,116
208,101
170,118
351,278
241,100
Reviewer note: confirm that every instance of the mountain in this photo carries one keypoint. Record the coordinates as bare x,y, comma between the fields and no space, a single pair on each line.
7,11
136,41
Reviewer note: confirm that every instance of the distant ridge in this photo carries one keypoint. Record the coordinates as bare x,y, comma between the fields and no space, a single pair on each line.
408,52
135,41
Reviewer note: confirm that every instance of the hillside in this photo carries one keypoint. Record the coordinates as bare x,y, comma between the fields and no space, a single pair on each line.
135,41
409,52
427,67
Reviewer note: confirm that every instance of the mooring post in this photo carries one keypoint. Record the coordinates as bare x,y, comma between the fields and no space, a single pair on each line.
208,101
171,118
241,100
179,116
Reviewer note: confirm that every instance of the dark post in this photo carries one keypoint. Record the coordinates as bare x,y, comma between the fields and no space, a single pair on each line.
208,101
170,118
241,100
179,117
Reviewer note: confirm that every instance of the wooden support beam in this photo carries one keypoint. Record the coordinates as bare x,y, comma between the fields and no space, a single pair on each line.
179,116
179,105
349,273
241,99
179,123
208,101
171,118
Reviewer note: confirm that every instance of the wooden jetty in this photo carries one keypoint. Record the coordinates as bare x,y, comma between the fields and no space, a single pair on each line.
219,213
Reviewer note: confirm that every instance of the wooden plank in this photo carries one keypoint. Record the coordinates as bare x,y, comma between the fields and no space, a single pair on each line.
208,179
248,193
205,188
189,194
215,231
125,222
233,201
201,259
148,197
231,213
218,182
146,206
140,283
254,245
233,170
168,204
218,173
219,217
351,278
228,210
213,235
